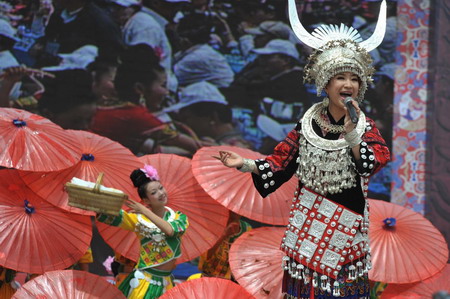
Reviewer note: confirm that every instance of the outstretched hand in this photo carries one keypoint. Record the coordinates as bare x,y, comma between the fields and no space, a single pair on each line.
230,159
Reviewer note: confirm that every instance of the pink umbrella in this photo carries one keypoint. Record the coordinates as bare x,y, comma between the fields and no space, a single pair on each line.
255,261
36,236
207,287
31,142
406,249
235,190
98,154
68,284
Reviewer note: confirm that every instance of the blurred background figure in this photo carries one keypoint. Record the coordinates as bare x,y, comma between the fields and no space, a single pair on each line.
197,60
140,27
9,85
206,111
76,23
274,74
133,120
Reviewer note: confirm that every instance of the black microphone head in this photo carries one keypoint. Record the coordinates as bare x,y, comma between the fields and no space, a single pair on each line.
348,100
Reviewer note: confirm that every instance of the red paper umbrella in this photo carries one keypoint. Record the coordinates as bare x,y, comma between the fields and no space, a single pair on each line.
31,142
207,287
235,190
255,261
424,289
99,154
36,236
405,246
68,284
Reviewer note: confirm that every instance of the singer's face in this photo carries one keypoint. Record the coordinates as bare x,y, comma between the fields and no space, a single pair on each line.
340,87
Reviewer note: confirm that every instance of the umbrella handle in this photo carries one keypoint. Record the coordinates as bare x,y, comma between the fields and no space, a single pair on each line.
98,183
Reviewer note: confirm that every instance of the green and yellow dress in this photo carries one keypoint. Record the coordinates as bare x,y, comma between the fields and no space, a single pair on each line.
156,249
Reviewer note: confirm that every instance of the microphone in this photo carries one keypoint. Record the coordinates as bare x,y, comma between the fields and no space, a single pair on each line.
351,110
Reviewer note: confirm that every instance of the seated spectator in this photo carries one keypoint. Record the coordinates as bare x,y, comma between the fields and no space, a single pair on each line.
205,110
9,85
139,27
103,74
197,61
140,83
76,23
269,30
276,75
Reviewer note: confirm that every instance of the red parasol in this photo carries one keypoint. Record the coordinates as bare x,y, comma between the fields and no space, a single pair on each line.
235,190
99,154
424,289
32,142
68,284
408,248
207,287
255,261
37,236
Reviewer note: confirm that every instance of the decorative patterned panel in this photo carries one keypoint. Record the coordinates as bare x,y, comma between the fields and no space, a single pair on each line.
410,102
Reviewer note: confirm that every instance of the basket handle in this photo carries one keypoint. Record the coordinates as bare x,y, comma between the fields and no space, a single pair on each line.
98,183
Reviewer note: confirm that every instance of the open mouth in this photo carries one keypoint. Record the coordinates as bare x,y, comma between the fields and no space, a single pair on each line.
346,94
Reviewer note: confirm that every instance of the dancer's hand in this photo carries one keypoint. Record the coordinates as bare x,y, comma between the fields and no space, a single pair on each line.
230,159
136,207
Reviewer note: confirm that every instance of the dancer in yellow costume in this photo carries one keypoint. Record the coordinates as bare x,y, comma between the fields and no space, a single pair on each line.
159,229
214,262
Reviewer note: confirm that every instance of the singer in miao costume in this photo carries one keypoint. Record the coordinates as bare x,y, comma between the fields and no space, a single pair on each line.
326,241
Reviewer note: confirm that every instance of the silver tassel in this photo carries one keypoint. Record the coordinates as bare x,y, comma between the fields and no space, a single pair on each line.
284,263
328,286
314,280
336,289
300,268
323,282
294,270
306,277
352,272
359,269
368,263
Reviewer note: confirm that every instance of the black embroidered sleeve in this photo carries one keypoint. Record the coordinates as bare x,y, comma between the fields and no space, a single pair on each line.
373,151
279,167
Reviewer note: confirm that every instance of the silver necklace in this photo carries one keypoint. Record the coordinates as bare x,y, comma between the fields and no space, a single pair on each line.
321,118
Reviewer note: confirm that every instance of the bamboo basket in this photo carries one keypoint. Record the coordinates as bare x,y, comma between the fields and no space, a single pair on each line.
94,199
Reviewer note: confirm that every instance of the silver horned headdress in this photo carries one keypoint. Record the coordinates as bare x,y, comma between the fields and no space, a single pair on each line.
338,49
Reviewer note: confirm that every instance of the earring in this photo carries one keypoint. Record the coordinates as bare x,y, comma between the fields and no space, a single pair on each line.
142,100
325,102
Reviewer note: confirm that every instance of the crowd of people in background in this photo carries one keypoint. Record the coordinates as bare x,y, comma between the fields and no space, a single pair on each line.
171,76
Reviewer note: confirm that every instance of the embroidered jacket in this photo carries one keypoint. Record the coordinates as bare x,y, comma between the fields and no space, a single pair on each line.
156,248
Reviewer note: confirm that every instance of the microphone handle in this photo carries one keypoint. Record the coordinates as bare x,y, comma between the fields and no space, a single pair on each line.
352,111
